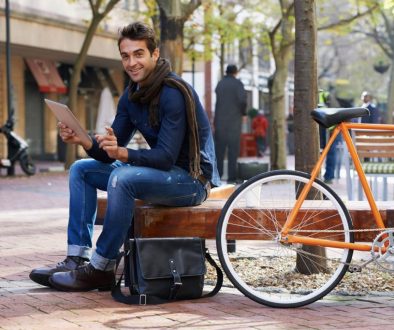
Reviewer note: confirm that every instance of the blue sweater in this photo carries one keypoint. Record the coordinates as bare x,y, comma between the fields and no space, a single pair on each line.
169,141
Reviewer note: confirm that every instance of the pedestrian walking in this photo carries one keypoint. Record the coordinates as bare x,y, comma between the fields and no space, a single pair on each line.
374,115
229,109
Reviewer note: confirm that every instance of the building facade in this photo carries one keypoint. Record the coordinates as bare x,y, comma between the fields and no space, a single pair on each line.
43,49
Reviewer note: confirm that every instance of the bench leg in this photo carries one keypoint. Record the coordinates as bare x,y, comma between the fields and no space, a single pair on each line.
375,188
231,245
385,188
360,191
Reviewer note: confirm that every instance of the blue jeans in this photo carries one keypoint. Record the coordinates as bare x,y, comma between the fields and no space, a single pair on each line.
331,160
123,183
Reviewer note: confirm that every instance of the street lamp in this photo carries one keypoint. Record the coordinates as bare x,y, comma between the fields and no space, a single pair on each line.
10,121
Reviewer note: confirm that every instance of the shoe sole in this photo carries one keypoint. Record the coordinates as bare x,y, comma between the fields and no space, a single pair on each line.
62,288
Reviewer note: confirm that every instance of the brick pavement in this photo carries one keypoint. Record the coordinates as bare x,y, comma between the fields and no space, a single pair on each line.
33,218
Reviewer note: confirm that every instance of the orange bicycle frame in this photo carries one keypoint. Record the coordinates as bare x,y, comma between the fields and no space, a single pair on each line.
343,129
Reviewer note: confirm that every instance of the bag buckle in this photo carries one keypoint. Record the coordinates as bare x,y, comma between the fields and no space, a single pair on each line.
177,280
143,299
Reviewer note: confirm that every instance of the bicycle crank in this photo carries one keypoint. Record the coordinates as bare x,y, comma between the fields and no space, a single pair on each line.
383,250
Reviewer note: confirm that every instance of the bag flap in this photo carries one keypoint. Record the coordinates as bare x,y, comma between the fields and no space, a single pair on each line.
154,254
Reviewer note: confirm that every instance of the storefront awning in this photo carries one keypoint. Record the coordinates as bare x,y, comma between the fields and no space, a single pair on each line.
46,75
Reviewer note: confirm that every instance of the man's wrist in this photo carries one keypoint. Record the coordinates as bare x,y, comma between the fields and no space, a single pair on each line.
87,146
123,155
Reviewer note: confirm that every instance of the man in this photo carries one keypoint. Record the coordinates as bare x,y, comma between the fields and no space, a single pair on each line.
229,110
178,170
374,117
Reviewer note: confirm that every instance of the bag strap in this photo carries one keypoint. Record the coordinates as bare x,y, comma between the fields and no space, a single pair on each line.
219,276
143,299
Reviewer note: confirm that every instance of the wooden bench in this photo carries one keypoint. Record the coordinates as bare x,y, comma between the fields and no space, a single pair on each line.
200,221
218,195
375,149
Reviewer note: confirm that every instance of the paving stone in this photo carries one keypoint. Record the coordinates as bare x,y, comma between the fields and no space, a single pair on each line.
33,219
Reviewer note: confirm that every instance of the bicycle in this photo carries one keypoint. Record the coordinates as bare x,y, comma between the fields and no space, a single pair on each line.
294,235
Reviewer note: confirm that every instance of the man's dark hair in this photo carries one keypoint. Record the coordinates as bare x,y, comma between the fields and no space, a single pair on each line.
139,31
231,69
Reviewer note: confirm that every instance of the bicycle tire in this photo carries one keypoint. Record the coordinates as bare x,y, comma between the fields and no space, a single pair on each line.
26,164
267,270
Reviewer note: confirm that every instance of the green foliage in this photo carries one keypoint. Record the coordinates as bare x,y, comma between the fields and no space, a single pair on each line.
389,4
225,22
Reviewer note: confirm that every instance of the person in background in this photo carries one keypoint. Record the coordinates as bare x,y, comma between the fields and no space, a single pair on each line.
259,128
374,116
328,99
177,170
229,109
290,134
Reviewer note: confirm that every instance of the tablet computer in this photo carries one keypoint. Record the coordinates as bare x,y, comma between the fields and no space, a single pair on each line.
64,115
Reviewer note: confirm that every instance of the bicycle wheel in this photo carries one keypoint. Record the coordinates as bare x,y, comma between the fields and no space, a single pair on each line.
26,164
267,270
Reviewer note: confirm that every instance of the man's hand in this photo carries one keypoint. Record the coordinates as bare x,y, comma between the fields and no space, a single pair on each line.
109,144
68,136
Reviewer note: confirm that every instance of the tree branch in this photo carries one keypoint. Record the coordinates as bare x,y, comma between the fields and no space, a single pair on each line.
277,26
348,20
109,7
272,33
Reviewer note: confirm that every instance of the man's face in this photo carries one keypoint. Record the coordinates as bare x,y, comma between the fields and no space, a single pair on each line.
137,60
366,98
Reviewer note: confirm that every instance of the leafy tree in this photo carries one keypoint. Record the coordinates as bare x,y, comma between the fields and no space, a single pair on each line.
100,9
281,38
224,25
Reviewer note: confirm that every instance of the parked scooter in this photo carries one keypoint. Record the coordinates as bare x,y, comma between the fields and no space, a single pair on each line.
17,151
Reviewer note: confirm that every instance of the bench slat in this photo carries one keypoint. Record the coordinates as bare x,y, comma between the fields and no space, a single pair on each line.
151,221
222,192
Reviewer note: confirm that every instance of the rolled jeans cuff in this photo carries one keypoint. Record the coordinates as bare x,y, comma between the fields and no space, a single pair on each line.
101,263
79,251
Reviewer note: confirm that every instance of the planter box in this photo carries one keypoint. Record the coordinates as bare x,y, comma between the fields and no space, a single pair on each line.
248,170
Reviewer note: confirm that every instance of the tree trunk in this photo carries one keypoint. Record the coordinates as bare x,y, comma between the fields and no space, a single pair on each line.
281,51
305,87
221,59
278,117
305,99
74,82
171,40
390,99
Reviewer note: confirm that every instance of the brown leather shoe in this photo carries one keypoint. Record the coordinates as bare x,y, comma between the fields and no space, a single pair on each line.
85,278
42,275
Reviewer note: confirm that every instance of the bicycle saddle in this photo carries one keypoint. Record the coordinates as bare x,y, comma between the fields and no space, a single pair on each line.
333,116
